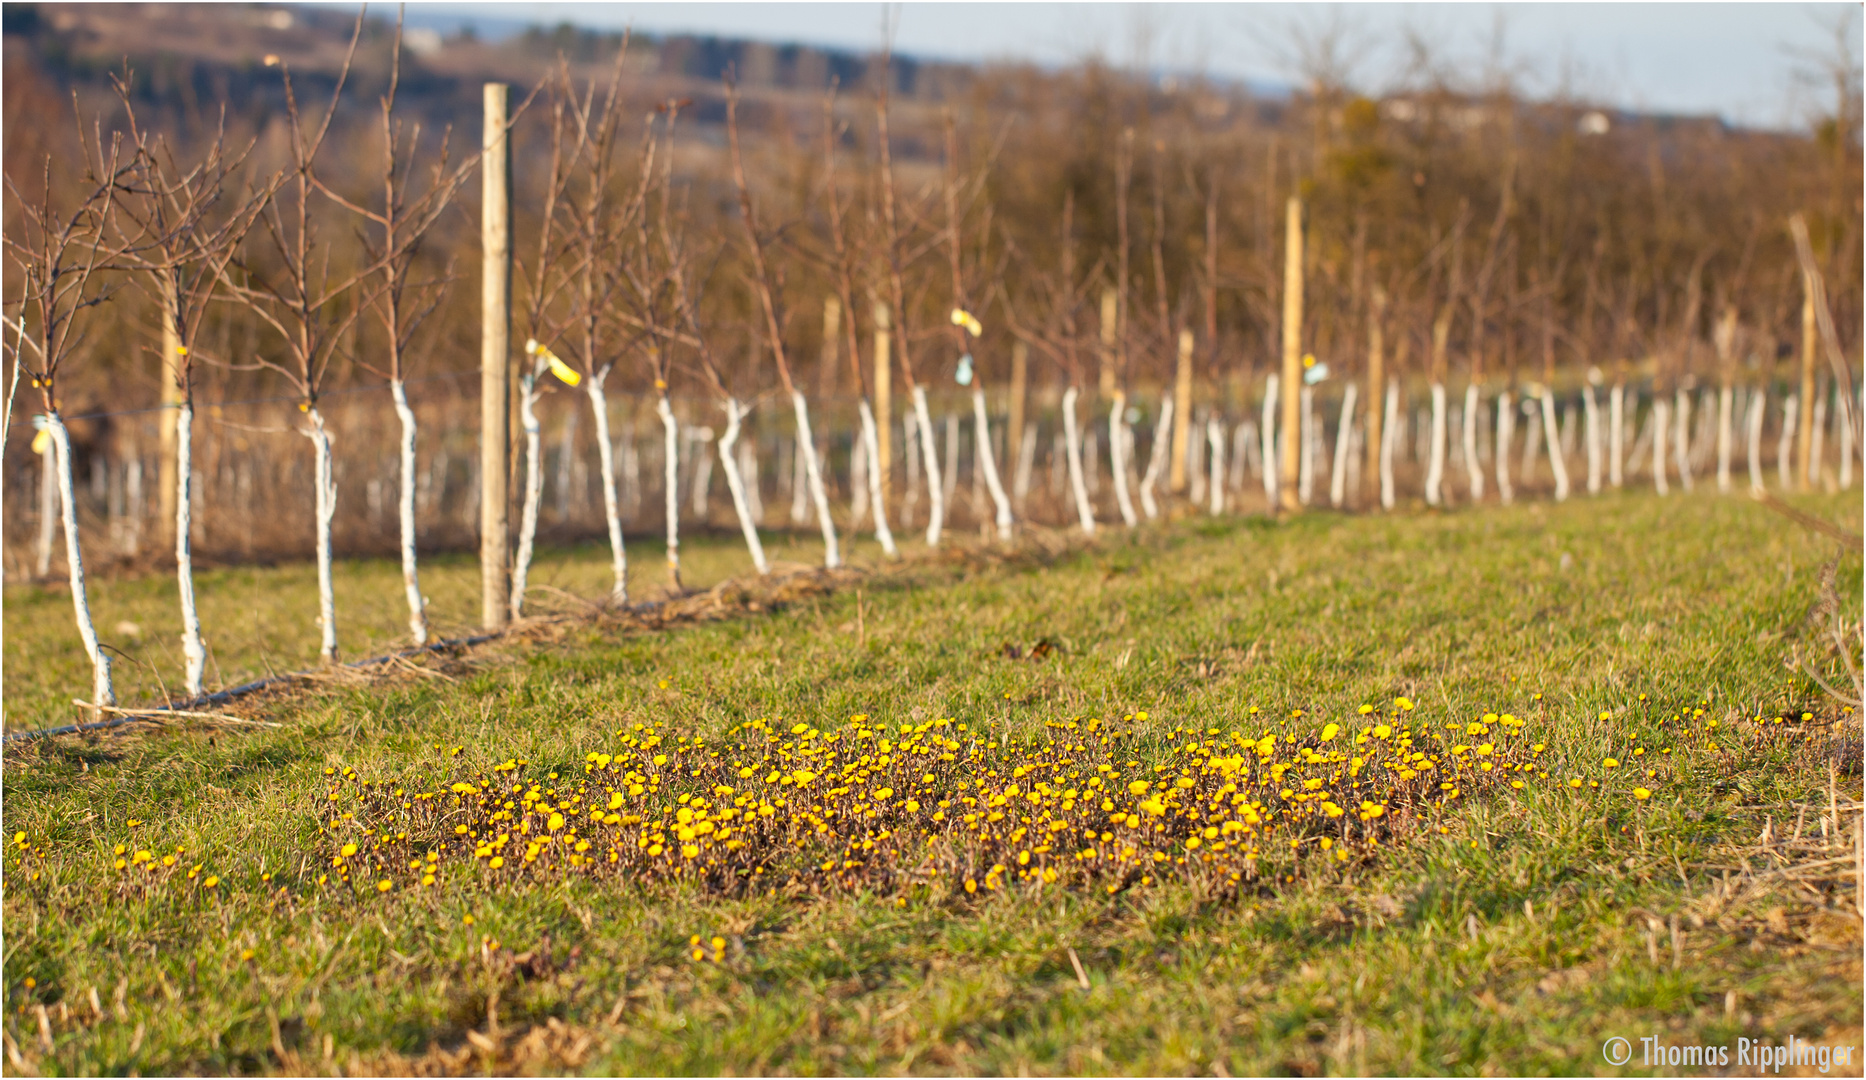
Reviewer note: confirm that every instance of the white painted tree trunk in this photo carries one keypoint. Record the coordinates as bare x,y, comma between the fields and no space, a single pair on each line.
1195,460
1590,417
799,487
929,457
48,505
728,444
1435,464
1532,446
1215,438
1506,435
411,578
1468,438
1305,454
194,653
1557,461
1753,422
1072,439
534,491
1357,452
1846,444
701,480
326,512
949,476
102,692
1156,457
1784,450
748,475
1616,435
871,448
1243,442
1389,434
1817,452
858,484
910,443
1681,439
1344,436
1117,463
813,475
989,463
1270,458
1661,429
670,484
612,513
1026,462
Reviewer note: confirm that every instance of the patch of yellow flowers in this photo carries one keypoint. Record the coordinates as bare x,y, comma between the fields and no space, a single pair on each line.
936,805
940,806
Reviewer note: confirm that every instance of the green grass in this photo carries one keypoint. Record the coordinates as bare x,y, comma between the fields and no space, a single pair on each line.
1533,927
262,620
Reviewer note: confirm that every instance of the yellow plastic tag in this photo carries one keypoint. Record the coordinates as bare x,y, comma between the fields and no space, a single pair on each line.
42,441
563,371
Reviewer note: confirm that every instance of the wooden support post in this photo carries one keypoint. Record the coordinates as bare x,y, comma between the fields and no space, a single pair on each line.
884,406
1376,380
1292,355
170,376
829,374
1110,334
1020,389
495,358
1182,412
1804,425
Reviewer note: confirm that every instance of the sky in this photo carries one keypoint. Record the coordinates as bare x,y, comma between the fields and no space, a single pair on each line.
1747,62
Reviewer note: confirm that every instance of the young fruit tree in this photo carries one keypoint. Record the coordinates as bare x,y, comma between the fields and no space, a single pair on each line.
61,257
395,229
1060,340
577,280
186,232
294,290
771,301
843,265
965,323
895,258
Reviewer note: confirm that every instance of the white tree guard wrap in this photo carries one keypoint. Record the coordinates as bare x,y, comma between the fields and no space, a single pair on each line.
102,690
606,459
929,457
1072,441
534,491
194,652
411,577
1156,457
736,484
871,446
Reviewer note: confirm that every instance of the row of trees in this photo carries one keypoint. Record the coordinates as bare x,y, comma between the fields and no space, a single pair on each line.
1134,242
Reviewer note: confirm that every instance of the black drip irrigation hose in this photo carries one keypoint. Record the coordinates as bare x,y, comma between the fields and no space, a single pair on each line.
154,712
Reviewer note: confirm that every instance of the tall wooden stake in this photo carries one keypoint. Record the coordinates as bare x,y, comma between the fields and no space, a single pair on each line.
1182,408
1804,425
1376,381
1292,354
827,372
171,407
884,403
1110,331
495,358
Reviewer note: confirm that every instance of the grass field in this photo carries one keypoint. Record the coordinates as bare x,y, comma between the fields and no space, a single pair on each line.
347,891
